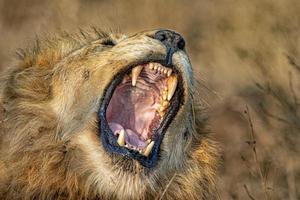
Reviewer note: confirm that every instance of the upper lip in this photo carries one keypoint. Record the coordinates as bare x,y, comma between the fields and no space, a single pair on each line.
108,139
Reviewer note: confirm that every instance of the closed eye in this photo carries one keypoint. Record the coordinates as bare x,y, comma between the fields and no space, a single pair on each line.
108,42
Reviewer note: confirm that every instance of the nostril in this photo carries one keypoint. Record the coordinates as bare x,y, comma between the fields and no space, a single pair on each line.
181,43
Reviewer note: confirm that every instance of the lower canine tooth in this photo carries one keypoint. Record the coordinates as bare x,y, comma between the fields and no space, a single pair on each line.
169,72
121,138
148,149
172,84
135,74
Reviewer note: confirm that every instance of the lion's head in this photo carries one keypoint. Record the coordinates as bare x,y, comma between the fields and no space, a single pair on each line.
104,115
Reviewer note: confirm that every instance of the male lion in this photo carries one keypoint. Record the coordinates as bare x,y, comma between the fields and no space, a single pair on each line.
105,116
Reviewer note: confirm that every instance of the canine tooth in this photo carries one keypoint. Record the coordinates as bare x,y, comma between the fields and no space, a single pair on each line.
172,84
135,74
121,138
148,149
169,72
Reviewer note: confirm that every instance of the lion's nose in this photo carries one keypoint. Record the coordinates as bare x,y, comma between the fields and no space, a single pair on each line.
173,42
170,39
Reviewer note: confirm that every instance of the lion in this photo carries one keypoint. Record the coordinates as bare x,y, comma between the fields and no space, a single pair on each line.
103,115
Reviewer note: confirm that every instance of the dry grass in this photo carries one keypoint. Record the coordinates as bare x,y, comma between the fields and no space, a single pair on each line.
247,55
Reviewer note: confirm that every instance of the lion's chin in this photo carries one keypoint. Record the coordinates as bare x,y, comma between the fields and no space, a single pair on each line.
137,108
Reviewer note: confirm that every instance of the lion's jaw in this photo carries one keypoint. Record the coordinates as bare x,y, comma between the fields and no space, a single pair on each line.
103,68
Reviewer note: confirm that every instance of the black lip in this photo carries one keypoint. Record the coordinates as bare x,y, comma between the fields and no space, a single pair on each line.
109,140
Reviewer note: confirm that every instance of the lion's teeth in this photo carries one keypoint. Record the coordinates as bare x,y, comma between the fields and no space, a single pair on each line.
121,138
169,72
151,66
161,114
162,109
159,68
172,84
165,104
148,149
165,95
135,74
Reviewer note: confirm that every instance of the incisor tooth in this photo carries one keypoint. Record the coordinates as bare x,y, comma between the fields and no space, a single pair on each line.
121,138
135,74
155,67
169,72
151,66
172,84
148,149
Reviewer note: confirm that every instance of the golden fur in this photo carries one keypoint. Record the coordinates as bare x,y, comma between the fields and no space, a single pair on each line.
50,147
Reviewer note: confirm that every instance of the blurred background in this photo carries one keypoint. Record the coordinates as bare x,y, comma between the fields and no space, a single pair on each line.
247,56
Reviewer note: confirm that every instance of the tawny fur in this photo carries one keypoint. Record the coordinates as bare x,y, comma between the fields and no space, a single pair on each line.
50,145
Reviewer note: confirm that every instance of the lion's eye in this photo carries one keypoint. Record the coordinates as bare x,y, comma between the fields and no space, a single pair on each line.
108,42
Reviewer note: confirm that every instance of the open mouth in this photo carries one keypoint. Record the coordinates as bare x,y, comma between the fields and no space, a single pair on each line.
137,108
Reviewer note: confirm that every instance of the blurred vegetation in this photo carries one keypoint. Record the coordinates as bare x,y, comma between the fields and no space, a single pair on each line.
246,54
